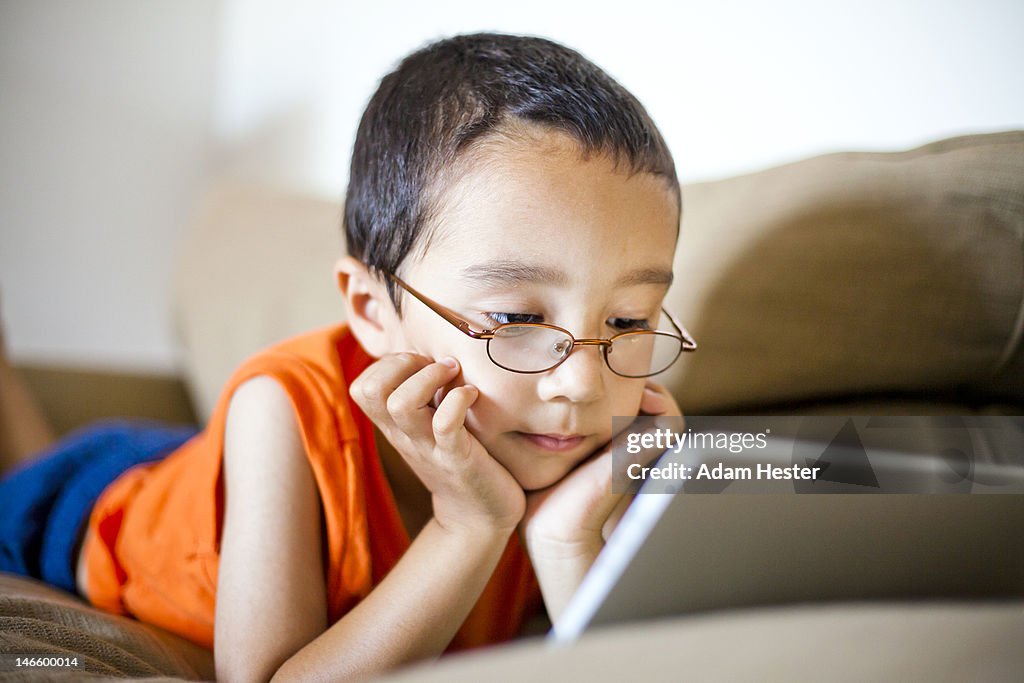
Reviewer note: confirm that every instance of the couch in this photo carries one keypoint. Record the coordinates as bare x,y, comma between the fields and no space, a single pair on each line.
881,283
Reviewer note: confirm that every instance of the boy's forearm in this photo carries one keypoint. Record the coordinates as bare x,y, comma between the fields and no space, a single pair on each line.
560,572
413,614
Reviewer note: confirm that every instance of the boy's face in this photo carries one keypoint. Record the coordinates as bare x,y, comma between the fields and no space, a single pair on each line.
533,233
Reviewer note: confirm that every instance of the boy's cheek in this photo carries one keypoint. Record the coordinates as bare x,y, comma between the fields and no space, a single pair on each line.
489,379
491,415
629,398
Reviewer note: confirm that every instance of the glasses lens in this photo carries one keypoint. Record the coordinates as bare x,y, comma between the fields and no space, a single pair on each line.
641,354
525,348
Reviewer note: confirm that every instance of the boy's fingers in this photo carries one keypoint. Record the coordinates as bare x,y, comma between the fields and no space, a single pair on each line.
652,403
657,400
450,417
409,404
615,516
376,383
638,445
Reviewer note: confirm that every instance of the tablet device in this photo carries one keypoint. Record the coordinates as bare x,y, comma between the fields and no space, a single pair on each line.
696,545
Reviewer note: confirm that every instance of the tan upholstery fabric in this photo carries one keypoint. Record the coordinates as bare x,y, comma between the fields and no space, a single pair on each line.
845,274
855,273
854,642
256,267
39,619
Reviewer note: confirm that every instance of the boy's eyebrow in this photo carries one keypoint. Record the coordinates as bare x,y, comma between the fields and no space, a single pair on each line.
507,272
646,276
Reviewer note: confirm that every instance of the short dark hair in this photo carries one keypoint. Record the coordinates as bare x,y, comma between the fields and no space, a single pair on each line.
453,93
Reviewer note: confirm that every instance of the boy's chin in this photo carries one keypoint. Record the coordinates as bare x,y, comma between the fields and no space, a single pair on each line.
534,471
540,478
529,486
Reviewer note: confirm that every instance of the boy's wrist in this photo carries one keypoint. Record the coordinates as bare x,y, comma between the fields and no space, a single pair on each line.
562,550
474,534
560,573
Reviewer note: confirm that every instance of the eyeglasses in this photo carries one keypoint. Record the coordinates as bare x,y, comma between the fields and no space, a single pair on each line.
530,348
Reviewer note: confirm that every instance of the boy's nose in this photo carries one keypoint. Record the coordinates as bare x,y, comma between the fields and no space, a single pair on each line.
580,377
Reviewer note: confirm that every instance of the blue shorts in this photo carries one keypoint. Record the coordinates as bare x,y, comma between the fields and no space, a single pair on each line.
45,503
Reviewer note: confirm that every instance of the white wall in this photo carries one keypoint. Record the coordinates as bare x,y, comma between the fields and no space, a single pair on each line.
115,114
734,86
105,112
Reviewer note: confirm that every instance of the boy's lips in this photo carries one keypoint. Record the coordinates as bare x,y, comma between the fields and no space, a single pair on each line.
556,443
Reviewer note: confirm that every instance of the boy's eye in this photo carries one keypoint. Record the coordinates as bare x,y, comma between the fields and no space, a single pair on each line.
624,324
511,318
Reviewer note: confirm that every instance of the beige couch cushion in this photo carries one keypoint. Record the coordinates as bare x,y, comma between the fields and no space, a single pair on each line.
256,267
925,641
840,275
856,273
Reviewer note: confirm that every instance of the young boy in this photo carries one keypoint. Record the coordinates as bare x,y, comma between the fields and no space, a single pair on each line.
354,501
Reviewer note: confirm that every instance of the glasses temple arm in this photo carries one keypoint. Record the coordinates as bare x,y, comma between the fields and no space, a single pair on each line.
455,320
689,343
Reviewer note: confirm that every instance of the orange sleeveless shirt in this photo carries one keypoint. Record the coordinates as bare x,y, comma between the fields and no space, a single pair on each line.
153,545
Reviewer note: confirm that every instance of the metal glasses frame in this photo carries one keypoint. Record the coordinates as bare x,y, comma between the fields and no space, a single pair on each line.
688,343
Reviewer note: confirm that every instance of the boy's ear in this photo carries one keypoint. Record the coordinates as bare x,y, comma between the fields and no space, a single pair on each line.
368,307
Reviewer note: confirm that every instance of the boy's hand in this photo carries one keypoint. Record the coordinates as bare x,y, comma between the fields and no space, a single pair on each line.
470,490
582,509
565,525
